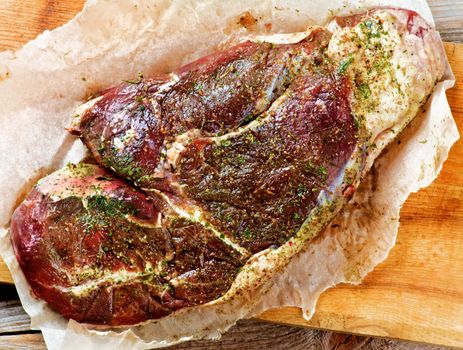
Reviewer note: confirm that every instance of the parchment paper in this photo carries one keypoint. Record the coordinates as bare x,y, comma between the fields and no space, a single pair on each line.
111,40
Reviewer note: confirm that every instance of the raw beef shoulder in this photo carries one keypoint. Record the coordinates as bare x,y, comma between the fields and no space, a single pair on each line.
212,177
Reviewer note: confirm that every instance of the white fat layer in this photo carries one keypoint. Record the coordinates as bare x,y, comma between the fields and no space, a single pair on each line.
79,181
104,277
123,140
195,215
157,223
178,146
84,108
291,38
174,149
174,78
392,70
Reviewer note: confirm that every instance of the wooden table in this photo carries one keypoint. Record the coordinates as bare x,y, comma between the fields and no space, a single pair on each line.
417,294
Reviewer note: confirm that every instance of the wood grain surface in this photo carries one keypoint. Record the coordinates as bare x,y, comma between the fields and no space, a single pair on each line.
416,294
5,276
247,334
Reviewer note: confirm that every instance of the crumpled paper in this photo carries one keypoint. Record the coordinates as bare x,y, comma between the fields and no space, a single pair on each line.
111,40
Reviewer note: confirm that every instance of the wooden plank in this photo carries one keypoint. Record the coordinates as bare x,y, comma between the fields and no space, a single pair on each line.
448,15
23,20
417,293
5,276
249,334
13,318
23,342
336,342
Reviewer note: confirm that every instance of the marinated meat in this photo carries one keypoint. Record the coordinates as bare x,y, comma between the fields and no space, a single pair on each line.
100,251
248,152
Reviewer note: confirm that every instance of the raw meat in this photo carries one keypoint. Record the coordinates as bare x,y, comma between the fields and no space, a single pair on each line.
244,154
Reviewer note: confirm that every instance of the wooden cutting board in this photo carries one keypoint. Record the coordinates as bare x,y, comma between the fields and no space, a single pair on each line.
417,293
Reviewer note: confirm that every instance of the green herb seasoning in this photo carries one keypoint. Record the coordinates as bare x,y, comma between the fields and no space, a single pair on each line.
323,172
344,65
225,143
248,118
125,165
247,233
101,210
136,81
365,91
